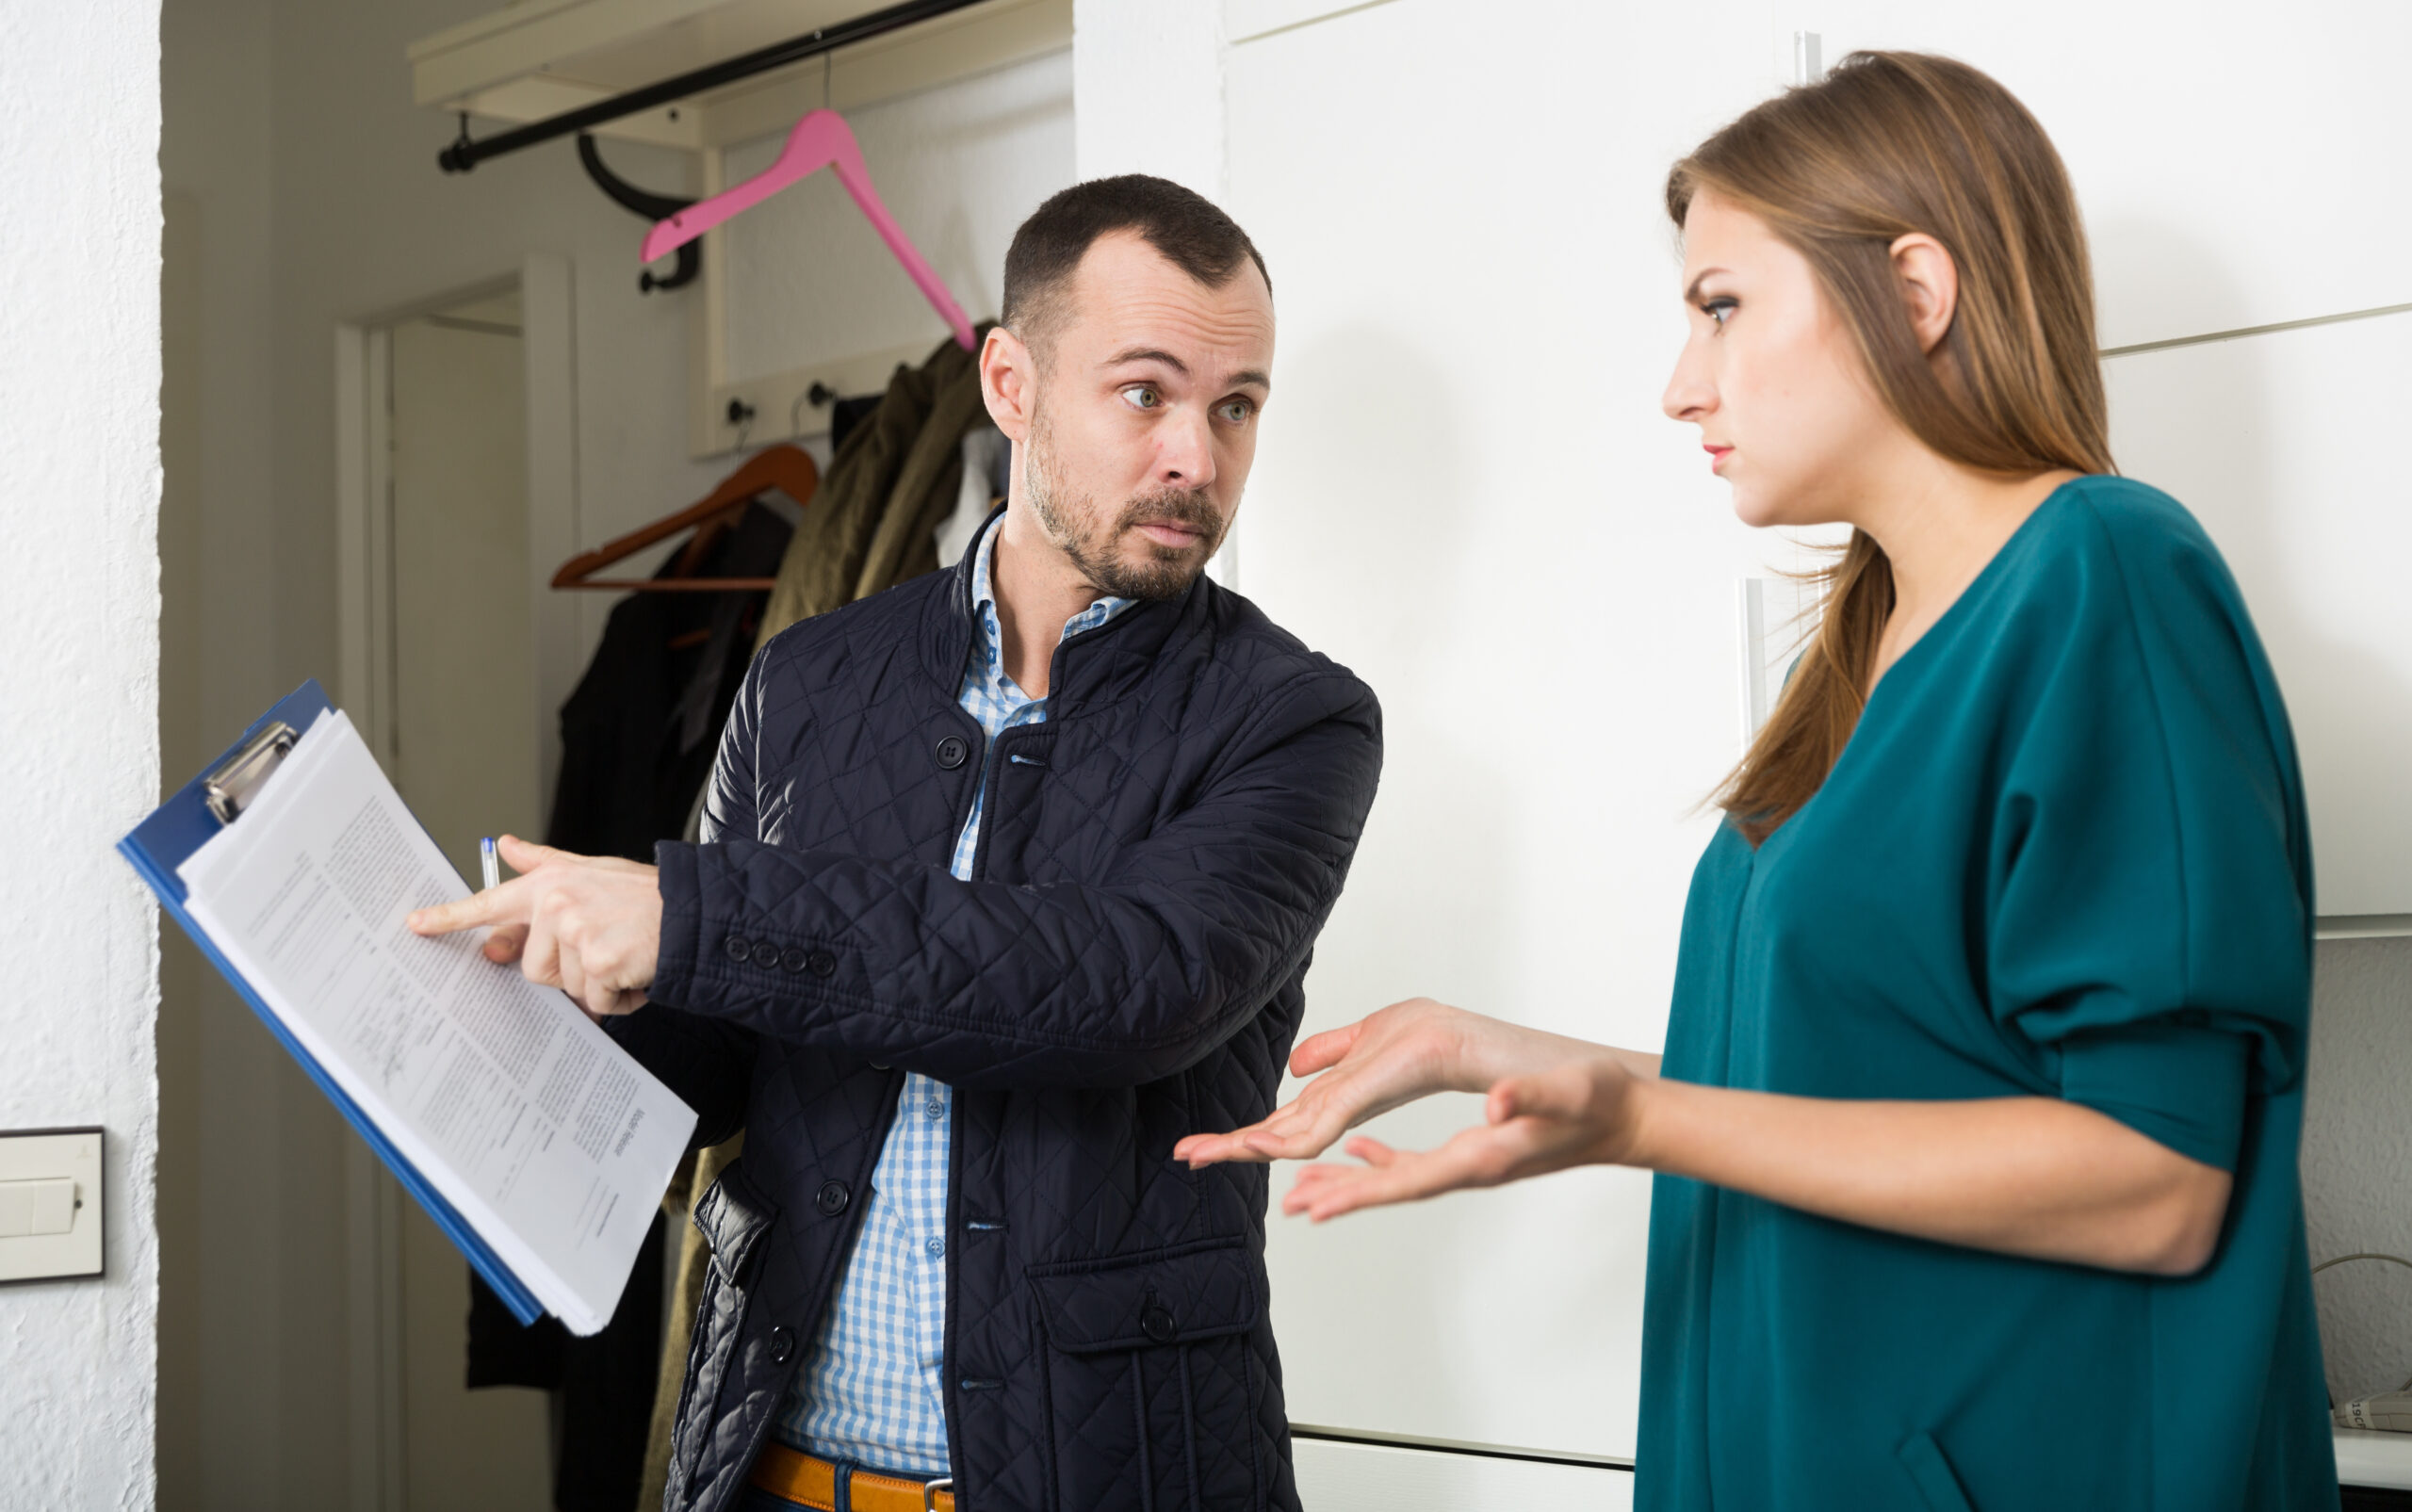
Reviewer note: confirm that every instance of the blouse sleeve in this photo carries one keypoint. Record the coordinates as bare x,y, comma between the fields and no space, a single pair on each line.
2150,901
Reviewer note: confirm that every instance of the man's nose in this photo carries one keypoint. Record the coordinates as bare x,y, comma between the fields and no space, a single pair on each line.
1185,451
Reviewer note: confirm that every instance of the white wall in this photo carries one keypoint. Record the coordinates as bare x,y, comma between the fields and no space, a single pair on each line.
1149,80
79,383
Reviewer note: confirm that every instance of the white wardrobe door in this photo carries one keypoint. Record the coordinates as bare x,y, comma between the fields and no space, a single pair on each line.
2229,155
2281,444
1466,491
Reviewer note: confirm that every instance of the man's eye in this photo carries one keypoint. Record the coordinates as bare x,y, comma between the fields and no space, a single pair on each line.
1238,411
1140,397
1718,309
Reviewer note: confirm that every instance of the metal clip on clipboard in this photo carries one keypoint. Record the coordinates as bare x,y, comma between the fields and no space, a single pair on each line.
227,788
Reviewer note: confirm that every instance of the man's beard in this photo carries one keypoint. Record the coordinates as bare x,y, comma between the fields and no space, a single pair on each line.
1070,520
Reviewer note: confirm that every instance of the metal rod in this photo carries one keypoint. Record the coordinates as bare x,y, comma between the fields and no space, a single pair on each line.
466,153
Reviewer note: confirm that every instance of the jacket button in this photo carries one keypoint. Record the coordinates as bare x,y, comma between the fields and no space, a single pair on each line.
791,959
738,947
782,1346
1156,1322
765,954
822,964
831,1199
954,751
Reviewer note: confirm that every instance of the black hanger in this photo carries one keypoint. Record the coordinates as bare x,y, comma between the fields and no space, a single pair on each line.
643,203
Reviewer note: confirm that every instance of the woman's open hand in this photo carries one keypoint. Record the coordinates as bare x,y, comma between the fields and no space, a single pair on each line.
1579,1112
1407,1050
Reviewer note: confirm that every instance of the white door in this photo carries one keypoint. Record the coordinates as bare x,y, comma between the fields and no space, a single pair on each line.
462,752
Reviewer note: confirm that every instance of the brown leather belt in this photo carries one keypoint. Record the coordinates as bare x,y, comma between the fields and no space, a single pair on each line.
813,1483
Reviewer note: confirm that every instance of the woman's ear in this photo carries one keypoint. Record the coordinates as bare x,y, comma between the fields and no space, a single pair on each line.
1929,286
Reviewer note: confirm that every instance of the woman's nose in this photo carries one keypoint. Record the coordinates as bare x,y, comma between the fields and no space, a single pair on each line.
1689,397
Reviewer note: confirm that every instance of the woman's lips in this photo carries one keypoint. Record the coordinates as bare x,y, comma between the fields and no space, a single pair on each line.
1716,456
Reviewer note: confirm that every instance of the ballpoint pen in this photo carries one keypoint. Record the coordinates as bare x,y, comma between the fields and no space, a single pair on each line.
486,859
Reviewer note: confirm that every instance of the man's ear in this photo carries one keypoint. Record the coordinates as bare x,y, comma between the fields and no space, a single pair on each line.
1008,383
1929,285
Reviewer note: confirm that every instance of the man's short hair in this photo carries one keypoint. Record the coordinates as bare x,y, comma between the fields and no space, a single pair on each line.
1189,230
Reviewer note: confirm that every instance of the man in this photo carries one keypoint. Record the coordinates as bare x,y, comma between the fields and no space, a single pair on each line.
1009,879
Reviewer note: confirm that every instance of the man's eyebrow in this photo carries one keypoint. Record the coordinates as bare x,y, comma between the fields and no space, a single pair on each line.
1692,290
1252,376
1149,354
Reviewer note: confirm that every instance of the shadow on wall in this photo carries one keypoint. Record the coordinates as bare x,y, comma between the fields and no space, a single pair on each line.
2237,431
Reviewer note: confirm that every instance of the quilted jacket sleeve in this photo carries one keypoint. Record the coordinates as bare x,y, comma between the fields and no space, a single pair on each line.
991,985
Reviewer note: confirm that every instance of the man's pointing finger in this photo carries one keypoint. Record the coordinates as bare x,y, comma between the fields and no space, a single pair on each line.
495,905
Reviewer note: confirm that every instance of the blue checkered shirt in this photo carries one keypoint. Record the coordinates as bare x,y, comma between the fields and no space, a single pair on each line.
871,1391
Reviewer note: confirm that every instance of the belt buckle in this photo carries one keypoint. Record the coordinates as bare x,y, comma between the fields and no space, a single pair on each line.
930,1490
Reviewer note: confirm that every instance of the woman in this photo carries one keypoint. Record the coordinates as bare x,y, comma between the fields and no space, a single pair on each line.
1977,1121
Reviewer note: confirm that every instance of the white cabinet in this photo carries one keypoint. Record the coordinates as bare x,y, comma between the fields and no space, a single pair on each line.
2239,162
2282,445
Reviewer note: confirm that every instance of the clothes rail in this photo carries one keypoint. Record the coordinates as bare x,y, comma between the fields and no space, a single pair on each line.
468,153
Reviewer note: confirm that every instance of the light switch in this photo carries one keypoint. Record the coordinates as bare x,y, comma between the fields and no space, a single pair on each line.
50,1204
31,1207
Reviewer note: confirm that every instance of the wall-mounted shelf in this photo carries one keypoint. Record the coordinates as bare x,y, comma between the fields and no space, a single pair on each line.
2367,1458
2361,926
540,57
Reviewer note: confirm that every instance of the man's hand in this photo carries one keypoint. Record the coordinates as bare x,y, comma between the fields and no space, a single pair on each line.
589,925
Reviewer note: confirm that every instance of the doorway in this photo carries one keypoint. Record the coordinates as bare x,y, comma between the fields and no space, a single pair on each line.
446,614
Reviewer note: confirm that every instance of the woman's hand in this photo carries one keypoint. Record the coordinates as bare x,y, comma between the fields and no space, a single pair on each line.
1582,1112
1407,1050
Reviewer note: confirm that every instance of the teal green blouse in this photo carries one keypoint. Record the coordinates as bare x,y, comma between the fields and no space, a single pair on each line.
2063,855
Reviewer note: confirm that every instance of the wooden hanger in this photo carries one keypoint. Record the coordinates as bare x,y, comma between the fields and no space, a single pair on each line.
784,467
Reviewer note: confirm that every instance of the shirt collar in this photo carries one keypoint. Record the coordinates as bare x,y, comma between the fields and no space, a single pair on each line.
984,598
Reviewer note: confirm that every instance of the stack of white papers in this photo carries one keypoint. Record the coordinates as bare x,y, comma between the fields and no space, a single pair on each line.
548,1139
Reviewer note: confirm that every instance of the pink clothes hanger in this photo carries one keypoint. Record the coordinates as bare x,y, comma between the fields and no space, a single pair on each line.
821,140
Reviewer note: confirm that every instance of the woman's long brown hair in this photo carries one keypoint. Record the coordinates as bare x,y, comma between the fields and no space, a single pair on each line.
1888,144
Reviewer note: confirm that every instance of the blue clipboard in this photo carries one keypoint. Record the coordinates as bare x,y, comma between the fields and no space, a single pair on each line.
179,827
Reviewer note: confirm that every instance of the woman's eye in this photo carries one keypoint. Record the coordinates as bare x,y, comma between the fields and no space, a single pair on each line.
1140,397
1238,411
1718,310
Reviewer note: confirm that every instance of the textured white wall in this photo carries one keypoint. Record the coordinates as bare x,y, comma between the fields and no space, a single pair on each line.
2357,1160
79,489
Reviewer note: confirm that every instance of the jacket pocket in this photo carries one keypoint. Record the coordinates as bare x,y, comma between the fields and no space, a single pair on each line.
1152,1378
1932,1475
733,1217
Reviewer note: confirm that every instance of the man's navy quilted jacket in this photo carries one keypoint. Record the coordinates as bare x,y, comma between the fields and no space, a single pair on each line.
1123,969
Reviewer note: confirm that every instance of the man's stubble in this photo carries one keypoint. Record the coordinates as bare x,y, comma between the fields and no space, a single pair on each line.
1072,522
